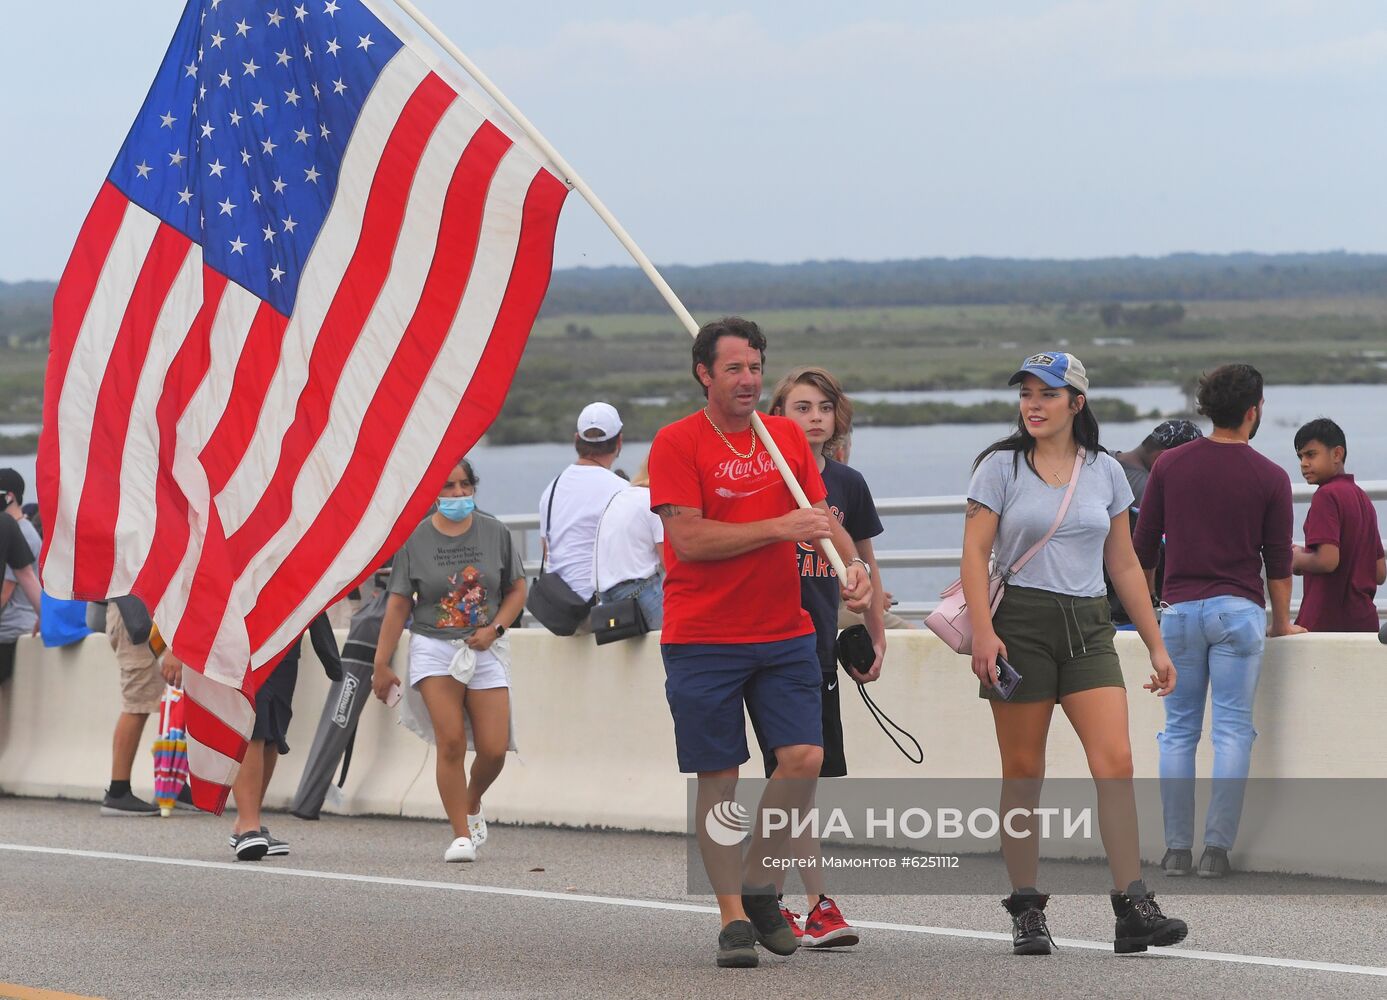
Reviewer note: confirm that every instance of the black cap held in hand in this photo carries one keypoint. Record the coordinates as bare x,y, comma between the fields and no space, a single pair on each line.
854,649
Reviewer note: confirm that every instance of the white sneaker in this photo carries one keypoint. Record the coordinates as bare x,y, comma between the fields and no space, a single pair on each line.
460,850
476,826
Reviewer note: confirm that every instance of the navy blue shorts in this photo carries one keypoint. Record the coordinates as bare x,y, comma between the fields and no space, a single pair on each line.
707,684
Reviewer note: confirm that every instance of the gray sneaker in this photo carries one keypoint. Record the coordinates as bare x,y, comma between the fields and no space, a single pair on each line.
128,804
1177,862
1214,863
763,910
737,946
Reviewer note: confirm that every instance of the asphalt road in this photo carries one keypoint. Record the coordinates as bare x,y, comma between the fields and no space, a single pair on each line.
367,908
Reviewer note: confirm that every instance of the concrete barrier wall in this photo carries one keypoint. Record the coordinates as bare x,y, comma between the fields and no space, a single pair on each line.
596,742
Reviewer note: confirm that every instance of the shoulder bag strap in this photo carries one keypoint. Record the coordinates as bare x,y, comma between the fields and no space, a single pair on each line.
597,536
1059,518
549,520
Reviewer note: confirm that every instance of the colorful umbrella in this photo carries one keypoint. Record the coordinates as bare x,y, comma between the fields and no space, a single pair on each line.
170,751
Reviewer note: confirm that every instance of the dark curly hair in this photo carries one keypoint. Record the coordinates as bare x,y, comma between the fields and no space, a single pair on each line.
705,345
1228,392
1323,430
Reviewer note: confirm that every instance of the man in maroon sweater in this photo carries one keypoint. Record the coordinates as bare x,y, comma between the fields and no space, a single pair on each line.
1225,512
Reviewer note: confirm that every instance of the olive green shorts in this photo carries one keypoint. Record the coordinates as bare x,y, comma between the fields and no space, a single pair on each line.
1057,643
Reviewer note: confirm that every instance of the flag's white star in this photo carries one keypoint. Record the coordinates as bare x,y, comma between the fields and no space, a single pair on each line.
259,107
316,92
202,92
311,174
245,158
268,146
176,158
364,42
301,135
215,168
238,247
332,47
308,53
276,273
185,197
250,67
226,207
291,97
300,11
242,28
199,53
276,17
289,225
142,168
217,39
190,70
216,4
235,117
324,130
279,185
331,8
207,130
282,57
167,120
255,195
224,78
269,234
338,87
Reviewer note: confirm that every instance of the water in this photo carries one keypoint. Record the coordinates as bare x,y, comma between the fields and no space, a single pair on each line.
935,460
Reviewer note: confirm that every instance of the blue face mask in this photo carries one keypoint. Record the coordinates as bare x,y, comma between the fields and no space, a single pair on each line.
457,508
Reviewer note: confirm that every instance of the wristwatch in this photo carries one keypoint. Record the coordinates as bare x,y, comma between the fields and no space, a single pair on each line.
859,559
500,629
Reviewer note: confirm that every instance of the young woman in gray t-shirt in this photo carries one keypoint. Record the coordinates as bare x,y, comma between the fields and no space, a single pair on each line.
1054,627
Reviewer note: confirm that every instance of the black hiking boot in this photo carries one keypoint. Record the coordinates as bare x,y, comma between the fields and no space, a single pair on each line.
1140,922
1029,933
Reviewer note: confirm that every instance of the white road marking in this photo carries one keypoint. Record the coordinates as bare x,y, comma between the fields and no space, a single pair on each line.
654,904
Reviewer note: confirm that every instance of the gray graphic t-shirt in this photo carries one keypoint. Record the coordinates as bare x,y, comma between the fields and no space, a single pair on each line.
1071,562
457,583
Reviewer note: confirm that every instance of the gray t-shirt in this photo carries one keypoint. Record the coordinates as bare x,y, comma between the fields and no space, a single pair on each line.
1072,561
18,616
457,583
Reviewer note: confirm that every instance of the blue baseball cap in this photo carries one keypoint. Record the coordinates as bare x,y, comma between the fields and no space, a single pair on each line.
1055,370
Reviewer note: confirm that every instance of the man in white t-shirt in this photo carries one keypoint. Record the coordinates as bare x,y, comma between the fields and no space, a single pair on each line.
580,494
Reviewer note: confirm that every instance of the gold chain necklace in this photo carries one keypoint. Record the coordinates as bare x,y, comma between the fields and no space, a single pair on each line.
727,442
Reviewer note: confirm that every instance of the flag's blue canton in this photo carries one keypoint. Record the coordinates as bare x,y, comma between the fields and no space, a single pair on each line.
239,142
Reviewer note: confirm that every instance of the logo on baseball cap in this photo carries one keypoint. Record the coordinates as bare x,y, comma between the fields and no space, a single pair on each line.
1055,370
599,422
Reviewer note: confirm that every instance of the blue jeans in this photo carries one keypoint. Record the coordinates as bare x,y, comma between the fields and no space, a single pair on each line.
649,594
1215,644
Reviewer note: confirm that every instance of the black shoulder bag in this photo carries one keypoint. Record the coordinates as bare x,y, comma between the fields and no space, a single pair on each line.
553,602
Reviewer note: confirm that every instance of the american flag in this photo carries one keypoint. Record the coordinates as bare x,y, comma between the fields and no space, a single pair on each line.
300,297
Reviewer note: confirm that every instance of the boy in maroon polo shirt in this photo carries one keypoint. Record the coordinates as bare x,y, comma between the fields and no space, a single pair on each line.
1342,560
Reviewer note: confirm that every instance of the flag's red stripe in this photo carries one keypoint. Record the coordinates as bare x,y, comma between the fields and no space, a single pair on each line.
458,237
255,370
208,795
94,543
487,391
70,303
186,372
211,731
222,559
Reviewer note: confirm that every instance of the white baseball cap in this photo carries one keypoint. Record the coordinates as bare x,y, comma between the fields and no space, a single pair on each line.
599,422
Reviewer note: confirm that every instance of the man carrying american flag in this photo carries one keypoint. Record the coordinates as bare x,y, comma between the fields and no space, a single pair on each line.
301,292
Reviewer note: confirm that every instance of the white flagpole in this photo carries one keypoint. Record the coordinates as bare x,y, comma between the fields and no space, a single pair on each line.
637,254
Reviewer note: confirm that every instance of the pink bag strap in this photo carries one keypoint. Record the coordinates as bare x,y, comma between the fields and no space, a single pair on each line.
1059,518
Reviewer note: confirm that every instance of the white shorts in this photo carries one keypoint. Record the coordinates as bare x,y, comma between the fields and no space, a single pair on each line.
431,657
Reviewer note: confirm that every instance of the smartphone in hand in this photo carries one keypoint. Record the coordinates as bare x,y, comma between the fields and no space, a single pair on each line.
1007,679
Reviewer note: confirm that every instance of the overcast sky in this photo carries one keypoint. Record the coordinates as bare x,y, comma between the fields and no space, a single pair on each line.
782,131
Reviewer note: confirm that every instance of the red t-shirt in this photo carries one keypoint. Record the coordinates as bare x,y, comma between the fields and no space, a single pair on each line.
1341,514
753,597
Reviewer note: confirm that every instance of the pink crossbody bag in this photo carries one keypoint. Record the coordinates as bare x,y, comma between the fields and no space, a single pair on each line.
949,620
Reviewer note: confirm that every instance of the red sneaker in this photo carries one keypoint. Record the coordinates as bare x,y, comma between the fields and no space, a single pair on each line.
793,919
825,927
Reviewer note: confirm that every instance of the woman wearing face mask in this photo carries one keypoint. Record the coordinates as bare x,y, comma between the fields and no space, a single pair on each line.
460,576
